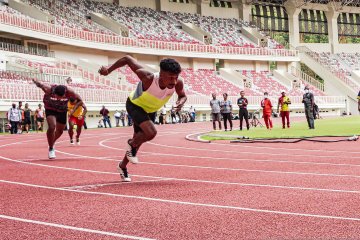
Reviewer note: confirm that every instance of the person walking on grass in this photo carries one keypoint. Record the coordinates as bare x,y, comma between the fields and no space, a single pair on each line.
308,100
283,103
215,111
226,111
242,102
267,111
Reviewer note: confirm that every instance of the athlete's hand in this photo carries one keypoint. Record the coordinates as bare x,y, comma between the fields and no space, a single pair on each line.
104,71
80,117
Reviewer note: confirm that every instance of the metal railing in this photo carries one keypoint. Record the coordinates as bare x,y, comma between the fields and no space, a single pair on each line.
340,75
29,92
55,30
305,77
26,50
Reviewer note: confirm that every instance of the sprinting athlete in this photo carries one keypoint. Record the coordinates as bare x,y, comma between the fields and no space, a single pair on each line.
55,100
153,91
76,117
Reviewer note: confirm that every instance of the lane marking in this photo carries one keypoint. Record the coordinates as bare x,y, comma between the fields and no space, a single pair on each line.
188,203
252,153
94,186
87,230
193,180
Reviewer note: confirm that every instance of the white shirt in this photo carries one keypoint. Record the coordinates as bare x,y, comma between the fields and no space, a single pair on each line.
14,115
163,111
117,114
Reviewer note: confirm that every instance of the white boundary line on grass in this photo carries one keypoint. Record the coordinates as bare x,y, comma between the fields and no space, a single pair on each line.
87,230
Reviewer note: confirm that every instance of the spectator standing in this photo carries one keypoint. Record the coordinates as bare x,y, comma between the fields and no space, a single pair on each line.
267,111
162,116
173,114
226,111
215,111
242,102
284,102
192,114
27,117
122,117
39,118
21,123
14,117
117,118
105,113
308,100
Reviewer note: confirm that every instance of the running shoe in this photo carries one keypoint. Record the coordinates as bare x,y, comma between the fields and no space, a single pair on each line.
78,141
131,154
71,141
123,173
52,154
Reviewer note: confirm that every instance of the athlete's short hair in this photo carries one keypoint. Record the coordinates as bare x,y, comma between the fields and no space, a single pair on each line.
60,90
170,65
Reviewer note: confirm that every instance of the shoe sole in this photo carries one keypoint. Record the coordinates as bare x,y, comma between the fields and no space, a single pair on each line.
121,176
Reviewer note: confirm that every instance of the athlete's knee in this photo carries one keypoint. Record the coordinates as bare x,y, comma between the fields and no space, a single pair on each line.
151,134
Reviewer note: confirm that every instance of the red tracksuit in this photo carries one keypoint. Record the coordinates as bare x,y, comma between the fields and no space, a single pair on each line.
267,111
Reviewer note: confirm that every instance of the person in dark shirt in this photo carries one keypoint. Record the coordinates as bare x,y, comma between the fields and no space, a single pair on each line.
27,117
242,102
56,98
308,100
105,113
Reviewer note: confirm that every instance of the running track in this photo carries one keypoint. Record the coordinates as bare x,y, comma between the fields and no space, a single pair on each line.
181,189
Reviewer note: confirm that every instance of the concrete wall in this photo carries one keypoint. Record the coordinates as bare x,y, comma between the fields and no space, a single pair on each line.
165,5
203,64
138,3
111,24
195,31
206,10
72,54
28,10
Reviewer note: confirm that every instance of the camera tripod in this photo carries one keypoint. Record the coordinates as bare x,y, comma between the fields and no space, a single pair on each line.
255,121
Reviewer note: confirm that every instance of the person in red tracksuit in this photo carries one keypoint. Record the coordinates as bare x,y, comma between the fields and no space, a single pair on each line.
267,111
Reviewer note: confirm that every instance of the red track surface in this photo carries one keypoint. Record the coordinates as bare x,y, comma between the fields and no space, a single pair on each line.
181,189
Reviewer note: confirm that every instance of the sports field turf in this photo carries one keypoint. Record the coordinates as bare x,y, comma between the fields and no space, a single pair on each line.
341,126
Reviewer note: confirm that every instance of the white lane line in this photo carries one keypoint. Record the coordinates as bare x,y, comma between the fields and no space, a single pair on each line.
230,169
285,149
297,214
240,151
94,186
87,230
194,180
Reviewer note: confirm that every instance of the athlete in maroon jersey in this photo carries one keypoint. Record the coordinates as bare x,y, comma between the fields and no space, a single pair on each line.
55,99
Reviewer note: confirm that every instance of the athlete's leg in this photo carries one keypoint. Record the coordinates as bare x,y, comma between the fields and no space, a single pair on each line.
51,120
59,130
71,129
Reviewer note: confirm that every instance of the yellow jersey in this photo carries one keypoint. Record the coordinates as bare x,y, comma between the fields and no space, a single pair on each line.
79,111
283,102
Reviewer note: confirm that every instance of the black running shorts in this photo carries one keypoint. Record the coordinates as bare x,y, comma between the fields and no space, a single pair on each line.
60,116
138,115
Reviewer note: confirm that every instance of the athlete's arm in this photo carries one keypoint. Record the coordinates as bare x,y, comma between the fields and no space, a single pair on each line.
85,109
145,76
71,92
44,87
179,88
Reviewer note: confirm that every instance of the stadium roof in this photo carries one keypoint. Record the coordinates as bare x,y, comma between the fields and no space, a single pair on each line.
350,3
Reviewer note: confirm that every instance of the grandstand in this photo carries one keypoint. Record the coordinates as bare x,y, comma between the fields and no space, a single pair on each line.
223,46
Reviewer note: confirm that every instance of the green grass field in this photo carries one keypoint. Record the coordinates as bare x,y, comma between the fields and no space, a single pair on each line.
341,126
